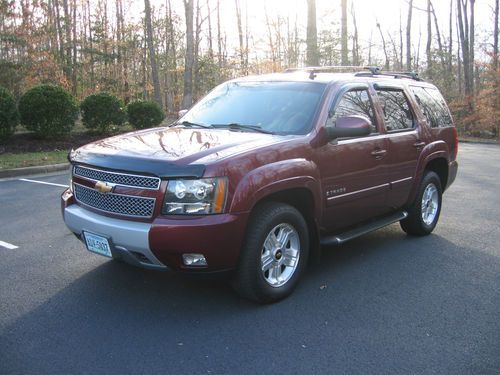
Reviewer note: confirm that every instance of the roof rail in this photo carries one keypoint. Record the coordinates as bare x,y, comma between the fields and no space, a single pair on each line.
358,70
312,70
408,75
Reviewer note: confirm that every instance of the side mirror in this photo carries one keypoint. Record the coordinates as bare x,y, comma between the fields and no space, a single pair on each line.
182,112
349,126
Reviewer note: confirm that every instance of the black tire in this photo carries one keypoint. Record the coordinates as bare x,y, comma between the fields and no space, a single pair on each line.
251,281
415,224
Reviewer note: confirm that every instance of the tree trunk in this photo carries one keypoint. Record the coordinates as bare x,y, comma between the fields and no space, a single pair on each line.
465,48
187,99
312,35
355,39
152,54
429,40
495,37
408,36
471,46
343,37
240,36
386,66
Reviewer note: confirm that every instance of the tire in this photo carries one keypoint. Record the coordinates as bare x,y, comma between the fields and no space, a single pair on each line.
274,254
423,214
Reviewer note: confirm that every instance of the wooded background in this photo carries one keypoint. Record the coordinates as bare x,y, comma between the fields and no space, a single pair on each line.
174,51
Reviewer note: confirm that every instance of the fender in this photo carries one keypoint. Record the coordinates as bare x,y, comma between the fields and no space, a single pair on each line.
274,177
434,150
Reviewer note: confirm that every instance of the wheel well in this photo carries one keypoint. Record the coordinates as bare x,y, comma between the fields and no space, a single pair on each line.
440,167
302,199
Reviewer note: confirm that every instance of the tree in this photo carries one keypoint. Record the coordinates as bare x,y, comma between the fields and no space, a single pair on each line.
408,36
189,58
495,37
344,48
152,54
312,34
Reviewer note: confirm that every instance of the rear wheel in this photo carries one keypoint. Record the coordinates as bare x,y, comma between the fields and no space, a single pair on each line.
423,215
274,254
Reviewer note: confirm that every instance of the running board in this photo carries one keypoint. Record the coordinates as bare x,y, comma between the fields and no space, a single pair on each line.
367,228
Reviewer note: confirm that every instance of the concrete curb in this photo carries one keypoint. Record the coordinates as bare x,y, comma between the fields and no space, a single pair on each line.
17,172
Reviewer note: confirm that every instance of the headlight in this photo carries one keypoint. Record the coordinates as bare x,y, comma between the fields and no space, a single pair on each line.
195,197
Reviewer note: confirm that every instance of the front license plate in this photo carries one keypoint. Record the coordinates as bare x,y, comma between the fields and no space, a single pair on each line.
97,244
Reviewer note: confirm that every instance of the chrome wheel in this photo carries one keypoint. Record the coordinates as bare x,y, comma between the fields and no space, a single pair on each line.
280,254
430,204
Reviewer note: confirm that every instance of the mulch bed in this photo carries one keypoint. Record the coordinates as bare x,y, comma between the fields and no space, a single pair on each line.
26,142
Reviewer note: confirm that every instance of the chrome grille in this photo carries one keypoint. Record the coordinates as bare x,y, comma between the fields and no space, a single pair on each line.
115,203
144,182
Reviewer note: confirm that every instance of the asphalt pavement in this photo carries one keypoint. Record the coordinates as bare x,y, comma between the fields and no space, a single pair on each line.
384,303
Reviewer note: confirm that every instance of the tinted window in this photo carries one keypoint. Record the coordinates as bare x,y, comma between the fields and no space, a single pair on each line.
356,102
397,112
281,107
433,106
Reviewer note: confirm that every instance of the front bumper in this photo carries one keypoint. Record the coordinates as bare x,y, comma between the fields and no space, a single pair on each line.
129,239
161,243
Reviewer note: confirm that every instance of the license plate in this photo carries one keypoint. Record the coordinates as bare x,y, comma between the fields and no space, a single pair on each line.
97,244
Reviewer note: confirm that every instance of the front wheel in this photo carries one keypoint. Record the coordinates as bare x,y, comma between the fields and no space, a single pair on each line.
423,214
274,254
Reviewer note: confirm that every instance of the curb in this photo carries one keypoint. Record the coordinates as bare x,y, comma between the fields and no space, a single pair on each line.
16,172
479,141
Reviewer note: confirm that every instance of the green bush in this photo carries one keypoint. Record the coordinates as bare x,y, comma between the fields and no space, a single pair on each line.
9,116
101,111
48,110
143,114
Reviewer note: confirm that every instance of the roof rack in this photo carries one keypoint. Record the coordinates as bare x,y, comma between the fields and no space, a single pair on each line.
312,70
360,71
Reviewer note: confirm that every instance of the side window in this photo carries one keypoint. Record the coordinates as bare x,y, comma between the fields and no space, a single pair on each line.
396,108
355,102
433,106
442,111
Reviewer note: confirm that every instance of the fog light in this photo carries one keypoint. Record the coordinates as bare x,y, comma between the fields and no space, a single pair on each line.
194,260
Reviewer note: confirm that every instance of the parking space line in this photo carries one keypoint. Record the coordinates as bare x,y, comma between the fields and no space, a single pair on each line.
42,182
8,245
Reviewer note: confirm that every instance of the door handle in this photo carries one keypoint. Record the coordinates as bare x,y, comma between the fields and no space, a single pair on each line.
379,153
419,144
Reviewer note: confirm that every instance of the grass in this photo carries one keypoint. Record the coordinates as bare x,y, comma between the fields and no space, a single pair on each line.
29,159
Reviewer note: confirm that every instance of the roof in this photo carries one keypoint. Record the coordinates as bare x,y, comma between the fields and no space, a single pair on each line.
336,74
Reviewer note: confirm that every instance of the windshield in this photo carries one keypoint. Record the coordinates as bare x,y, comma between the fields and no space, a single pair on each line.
277,107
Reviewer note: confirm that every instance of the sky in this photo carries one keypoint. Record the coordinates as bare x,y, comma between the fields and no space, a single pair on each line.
368,12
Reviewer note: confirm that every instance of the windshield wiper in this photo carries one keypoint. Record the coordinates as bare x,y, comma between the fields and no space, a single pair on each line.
189,124
237,126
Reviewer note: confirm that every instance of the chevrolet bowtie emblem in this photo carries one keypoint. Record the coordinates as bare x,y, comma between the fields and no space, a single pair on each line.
103,187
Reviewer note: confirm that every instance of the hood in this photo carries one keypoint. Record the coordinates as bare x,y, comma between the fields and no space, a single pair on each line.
169,152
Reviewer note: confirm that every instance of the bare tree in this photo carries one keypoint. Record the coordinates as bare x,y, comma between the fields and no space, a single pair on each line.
495,37
429,39
312,34
187,99
343,36
152,53
408,35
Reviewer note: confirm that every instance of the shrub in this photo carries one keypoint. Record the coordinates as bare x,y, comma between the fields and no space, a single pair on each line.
101,111
144,114
48,110
9,116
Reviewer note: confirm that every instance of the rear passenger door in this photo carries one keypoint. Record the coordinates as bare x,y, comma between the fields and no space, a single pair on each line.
354,176
404,142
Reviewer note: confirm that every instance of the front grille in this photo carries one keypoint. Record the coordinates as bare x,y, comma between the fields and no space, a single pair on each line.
115,203
145,182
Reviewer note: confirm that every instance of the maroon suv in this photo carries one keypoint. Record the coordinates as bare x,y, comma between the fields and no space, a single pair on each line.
264,170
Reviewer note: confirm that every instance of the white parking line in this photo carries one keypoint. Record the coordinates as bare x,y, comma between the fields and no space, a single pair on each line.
42,182
8,245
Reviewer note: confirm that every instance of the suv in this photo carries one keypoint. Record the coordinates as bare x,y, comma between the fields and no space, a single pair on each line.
262,171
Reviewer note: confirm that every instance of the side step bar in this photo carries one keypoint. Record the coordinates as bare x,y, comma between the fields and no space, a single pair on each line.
338,239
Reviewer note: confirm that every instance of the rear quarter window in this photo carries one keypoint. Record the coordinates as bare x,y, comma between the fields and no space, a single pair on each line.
433,106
